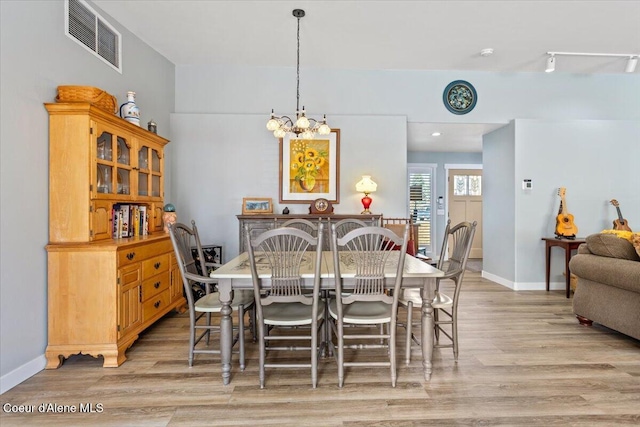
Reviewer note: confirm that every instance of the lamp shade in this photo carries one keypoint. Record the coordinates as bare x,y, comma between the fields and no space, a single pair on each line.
366,185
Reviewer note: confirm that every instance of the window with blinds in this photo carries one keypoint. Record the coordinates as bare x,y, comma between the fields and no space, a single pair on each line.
90,30
420,198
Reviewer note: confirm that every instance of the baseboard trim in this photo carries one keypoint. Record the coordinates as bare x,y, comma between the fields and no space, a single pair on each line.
499,280
524,286
22,373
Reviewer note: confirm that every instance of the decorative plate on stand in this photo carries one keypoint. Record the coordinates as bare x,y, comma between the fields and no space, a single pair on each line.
460,97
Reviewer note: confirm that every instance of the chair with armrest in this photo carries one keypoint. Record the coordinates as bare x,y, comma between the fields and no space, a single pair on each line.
183,239
365,252
459,238
278,259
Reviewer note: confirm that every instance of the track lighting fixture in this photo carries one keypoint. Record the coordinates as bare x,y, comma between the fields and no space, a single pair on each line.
551,64
630,67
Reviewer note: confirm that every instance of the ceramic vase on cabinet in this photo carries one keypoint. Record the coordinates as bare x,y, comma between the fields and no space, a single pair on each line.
129,110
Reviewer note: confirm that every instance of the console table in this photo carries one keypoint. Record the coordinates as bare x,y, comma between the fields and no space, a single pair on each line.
259,223
569,245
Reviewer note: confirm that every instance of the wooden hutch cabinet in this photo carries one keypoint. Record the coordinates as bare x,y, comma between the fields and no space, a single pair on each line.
105,288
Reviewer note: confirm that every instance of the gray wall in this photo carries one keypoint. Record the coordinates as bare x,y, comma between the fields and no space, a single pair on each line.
216,166
498,203
37,57
414,94
581,155
595,160
611,100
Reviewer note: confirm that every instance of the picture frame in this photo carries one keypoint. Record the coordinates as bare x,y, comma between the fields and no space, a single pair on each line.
310,168
257,205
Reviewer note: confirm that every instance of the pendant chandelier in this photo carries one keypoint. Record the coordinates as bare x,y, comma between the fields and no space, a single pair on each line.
303,125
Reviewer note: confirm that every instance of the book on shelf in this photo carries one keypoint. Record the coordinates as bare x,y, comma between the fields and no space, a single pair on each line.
144,224
135,220
129,220
126,211
115,221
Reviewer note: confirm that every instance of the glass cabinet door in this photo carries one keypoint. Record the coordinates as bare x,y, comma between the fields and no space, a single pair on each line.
143,171
104,163
104,173
149,172
155,171
104,149
113,172
123,178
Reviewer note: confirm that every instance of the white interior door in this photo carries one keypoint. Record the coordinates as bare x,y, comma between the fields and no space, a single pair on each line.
465,202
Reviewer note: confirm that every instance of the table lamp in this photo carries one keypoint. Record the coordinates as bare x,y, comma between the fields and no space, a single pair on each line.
366,186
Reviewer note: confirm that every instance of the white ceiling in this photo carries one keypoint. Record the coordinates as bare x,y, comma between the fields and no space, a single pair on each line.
405,35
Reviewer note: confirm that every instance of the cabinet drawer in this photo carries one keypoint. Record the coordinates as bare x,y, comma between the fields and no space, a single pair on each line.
128,255
154,285
154,306
129,274
155,265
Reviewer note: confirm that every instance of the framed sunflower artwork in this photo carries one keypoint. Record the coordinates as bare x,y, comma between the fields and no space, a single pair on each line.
310,168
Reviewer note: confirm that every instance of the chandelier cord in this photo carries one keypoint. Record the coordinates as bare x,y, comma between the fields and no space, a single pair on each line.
298,72
307,126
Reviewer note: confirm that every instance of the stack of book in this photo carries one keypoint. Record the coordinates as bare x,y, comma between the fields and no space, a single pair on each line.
130,220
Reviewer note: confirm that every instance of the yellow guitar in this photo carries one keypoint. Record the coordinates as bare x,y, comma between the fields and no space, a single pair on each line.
565,226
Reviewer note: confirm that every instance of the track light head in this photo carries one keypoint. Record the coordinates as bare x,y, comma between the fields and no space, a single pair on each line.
632,59
551,64
631,64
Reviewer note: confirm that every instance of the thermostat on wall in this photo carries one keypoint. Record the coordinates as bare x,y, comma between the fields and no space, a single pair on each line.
527,184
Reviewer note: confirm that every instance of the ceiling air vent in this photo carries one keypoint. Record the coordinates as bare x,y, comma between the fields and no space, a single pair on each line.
85,26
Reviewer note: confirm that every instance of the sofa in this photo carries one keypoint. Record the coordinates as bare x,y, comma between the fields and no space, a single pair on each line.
607,268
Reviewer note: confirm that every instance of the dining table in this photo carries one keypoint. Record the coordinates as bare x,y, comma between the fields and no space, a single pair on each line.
236,275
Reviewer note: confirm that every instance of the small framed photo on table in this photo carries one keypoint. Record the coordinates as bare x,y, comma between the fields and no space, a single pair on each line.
257,205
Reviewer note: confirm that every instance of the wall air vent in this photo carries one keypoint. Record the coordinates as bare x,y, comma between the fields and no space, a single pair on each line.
85,26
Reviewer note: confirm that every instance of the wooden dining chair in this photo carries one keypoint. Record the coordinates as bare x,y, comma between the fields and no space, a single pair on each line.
302,224
277,259
365,252
445,308
183,239
346,225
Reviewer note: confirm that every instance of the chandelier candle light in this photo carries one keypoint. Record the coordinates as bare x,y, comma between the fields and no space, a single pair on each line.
366,186
304,125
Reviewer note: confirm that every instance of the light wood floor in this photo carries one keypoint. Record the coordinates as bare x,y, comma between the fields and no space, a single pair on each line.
524,360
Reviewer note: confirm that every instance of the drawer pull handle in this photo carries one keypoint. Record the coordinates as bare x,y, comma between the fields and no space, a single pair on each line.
156,265
131,255
156,285
157,304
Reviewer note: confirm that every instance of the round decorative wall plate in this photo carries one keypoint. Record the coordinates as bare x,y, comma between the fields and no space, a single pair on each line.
460,97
